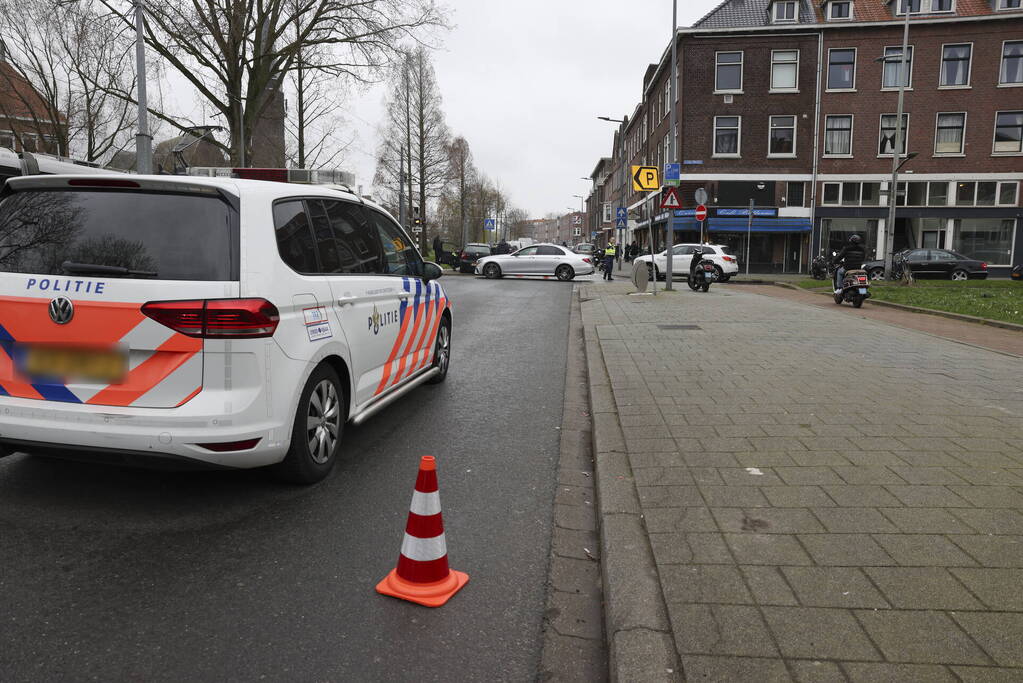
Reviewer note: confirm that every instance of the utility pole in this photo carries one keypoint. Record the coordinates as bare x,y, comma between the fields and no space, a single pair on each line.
893,190
669,227
143,140
402,216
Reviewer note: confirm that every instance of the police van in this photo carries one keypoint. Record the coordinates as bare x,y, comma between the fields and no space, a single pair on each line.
217,321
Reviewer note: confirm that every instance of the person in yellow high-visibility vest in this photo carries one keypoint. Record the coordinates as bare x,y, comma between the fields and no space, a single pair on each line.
610,251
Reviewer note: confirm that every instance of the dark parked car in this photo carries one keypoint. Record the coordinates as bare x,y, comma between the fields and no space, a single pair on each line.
470,254
933,263
449,254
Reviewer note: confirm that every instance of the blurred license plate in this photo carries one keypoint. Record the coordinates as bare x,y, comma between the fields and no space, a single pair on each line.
863,290
75,364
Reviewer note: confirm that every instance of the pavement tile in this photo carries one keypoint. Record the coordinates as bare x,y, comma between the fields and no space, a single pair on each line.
868,475
926,521
690,548
662,520
930,443
662,476
574,517
833,587
706,475
818,458
845,550
924,550
818,633
797,496
993,551
768,586
979,444
816,671
776,443
980,459
643,420
868,672
797,476
738,430
731,669
999,589
646,432
576,614
988,476
720,630
741,476
650,445
922,588
829,443
766,549
928,496
641,460
789,430
701,459
706,583
990,496
732,496
927,475
848,520
999,633
987,674
930,459
722,445
862,496
991,520
920,637
767,520
764,459
669,496
709,420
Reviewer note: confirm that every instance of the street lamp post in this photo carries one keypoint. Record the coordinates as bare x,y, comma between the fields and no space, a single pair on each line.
669,226
143,140
893,190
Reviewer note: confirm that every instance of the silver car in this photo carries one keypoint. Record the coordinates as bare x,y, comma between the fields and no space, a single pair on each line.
536,260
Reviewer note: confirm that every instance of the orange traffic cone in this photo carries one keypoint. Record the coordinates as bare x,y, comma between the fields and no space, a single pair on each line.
422,575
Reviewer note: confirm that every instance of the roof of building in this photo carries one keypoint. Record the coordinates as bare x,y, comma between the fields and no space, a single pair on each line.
754,13
18,98
749,13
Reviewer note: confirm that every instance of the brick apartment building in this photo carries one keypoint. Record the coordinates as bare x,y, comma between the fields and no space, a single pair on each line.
27,123
783,104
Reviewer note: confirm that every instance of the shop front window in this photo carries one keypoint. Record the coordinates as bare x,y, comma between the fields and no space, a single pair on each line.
835,233
985,239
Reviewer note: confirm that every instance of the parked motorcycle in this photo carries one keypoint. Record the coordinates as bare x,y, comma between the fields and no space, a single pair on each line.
821,268
701,272
855,288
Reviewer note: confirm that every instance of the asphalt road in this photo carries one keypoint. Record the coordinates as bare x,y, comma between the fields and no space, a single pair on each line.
111,574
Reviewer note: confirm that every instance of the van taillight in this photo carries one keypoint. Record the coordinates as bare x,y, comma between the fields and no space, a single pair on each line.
216,318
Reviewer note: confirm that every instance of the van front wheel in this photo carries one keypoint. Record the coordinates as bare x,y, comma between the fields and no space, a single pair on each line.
316,434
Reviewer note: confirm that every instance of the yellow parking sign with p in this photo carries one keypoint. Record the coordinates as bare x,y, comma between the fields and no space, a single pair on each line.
645,179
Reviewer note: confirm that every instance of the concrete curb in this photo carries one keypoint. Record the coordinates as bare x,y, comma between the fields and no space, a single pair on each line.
641,645
929,311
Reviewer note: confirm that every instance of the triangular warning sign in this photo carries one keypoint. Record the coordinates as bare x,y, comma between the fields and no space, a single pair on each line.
670,198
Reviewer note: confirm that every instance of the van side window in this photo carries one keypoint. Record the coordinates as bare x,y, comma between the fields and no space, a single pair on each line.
400,257
355,239
294,238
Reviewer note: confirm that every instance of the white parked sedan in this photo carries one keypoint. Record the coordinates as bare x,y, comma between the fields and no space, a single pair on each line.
725,262
537,260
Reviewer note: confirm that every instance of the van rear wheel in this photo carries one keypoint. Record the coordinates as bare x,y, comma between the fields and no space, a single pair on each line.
316,434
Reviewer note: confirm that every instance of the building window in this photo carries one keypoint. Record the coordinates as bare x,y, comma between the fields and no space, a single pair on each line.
667,149
937,194
942,5
955,65
948,138
986,193
7,139
1010,4
1012,63
606,212
838,135
1007,193
795,194
726,136
842,69
839,10
728,77
785,12
782,136
852,194
784,69
925,6
667,98
892,64
835,233
886,143
984,239
1009,132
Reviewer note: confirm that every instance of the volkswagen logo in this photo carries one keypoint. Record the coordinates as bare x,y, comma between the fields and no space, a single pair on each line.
62,310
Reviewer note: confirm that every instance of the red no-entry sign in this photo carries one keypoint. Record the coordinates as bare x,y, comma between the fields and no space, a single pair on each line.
701,213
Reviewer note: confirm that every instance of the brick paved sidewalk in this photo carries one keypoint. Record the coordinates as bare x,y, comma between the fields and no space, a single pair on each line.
804,531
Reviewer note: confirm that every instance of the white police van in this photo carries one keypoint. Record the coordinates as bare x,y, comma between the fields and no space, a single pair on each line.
234,323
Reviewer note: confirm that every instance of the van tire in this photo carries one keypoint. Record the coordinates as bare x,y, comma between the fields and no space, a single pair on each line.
301,465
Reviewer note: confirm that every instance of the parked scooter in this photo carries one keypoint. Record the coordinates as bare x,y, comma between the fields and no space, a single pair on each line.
855,288
701,271
821,268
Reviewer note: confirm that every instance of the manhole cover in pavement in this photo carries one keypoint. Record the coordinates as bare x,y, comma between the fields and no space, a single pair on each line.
678,327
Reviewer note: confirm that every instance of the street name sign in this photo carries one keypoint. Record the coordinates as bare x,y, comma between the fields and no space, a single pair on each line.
644,179
670,199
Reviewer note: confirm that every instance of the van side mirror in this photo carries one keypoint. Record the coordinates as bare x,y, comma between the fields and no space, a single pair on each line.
431,271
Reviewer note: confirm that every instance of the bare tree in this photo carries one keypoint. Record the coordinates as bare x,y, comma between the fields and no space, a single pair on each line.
236,53
461,177
429,150
62,65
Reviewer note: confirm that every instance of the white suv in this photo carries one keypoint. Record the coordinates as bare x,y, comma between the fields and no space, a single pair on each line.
228,322
726,264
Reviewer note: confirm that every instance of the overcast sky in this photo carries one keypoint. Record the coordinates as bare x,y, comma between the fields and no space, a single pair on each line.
524,83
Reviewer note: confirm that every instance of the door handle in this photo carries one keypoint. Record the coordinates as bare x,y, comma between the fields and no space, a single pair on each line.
351,300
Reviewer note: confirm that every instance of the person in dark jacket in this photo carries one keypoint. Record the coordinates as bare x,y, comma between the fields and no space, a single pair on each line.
438,248
502,247
851,257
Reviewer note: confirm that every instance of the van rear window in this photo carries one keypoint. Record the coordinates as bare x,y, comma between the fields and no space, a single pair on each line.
175,236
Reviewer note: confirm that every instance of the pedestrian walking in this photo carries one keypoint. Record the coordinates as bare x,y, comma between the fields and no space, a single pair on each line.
610,251
438,247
